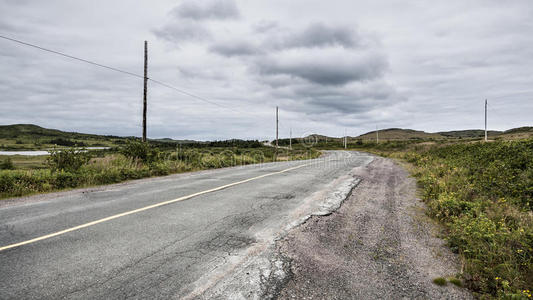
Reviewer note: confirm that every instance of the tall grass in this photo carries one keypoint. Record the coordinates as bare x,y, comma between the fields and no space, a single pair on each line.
71,169
483,195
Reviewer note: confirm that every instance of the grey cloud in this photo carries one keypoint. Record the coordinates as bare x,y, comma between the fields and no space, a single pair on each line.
330,69
322,75
201,10
183,31
264,26
320,35
187,23
350,99
315,35
235,48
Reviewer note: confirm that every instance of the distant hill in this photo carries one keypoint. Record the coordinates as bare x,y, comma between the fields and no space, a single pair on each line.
519,130
400,134
471,133
169,140
29,136
34,131
517,133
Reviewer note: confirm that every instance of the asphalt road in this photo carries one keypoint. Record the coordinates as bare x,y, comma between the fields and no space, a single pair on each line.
154,238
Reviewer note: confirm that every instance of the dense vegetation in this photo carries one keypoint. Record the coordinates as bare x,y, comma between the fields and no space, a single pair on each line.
71,168
483,195
473,133
31,137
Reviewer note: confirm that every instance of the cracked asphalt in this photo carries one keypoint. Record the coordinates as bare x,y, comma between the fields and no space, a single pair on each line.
177,250
379,245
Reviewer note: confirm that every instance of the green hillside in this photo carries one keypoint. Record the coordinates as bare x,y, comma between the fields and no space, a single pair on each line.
471,133
392,134
517,133
28,137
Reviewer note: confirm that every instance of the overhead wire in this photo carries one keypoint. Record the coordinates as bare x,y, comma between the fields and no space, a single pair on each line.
117,70
71,57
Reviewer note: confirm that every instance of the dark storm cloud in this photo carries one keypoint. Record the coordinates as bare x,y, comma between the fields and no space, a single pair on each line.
202,10
320,35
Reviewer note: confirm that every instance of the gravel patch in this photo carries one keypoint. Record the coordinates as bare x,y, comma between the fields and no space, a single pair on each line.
378,245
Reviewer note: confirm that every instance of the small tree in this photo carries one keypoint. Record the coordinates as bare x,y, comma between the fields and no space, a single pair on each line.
67,159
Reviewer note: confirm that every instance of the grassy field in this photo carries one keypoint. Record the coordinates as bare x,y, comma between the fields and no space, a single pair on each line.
482,194
23,162
65,169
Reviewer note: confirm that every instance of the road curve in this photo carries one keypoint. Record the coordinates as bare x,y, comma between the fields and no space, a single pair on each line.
155,238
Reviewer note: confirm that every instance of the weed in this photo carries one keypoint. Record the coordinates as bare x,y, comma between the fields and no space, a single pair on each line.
440,281
455,281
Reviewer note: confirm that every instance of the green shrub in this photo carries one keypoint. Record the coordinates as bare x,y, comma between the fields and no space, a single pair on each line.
72,168
65,179
69,160
440,281
483,194
7,164
139,150
448,206
456,282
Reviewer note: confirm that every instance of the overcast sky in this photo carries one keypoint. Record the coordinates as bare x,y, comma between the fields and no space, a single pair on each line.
329,65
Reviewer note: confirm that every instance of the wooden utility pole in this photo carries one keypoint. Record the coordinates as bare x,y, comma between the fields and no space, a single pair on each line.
345,139
277,131
145,88
377,135
486,120
290,139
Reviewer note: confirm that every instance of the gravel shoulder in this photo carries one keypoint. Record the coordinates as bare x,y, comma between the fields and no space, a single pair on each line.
378,245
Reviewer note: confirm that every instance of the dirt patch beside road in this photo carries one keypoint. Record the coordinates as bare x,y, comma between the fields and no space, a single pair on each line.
378,245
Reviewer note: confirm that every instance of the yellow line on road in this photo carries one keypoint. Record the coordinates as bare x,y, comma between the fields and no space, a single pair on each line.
44,237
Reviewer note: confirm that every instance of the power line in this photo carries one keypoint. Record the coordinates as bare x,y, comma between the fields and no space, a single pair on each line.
116,70
189,94
71,57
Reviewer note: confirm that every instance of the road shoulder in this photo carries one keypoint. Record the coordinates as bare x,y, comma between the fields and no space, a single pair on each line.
378,245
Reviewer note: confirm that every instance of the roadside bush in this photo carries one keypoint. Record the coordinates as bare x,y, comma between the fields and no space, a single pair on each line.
7,164
71,168
483,195
18,183
447,206
66,142
139,150
65,179
69,160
